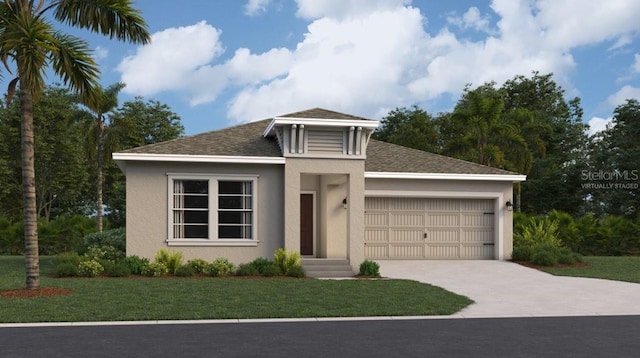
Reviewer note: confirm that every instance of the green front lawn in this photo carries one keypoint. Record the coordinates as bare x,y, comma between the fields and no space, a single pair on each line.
135,298
619,268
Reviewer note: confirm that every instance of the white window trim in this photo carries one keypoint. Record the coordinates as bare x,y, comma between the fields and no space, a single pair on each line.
213,239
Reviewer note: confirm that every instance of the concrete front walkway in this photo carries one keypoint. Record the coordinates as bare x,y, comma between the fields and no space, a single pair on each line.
506,289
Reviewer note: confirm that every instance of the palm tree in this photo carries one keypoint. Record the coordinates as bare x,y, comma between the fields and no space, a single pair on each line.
99,148
32,44
488,137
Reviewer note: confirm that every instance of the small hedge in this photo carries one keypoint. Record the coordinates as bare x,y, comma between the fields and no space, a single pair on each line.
108,261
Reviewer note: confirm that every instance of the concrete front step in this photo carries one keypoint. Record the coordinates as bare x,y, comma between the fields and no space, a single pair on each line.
327,268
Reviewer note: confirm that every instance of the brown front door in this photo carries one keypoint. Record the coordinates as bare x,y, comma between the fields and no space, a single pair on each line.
306,224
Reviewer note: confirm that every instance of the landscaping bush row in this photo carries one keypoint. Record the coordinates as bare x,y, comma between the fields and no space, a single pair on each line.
106,260
65,233
588,235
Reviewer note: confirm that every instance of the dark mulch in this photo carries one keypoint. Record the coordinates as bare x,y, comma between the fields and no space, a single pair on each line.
38,292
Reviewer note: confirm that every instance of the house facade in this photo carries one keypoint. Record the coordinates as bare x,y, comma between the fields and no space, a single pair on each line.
313,182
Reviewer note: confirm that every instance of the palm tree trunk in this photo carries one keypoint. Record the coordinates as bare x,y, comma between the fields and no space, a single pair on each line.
30,215
99,184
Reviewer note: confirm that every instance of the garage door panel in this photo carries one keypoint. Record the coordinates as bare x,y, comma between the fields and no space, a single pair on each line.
376,219
442,219
477,251
376,235
443,251
477,236
376,251
443,235
477,220
406,235
441,205
407,219
376,204
407,251
429,228
406,204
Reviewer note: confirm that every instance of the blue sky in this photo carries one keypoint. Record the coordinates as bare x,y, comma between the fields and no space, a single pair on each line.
223,62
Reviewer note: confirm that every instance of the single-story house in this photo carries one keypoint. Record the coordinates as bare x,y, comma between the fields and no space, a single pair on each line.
314,182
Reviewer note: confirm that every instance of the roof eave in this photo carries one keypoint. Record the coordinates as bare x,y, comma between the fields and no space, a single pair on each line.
324,122
446,176
122,158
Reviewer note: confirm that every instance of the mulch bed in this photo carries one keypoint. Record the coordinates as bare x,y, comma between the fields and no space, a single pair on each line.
38,292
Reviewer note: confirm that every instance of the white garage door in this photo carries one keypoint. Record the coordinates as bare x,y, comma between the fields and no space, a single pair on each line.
425,228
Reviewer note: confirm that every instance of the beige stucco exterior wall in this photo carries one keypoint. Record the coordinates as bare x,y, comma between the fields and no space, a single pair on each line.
354,216
497,190
147,209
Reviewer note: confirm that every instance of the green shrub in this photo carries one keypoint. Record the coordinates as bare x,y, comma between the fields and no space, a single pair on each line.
116,269
104,254
220,267
261,264
184,271
90,268
566,259
271,270
369,268
136,264
546,256
286,259
198,265
296,271
115,237
64,233
617,236
521,253
170,259
154,269
67,257
66,269
536,232
246,270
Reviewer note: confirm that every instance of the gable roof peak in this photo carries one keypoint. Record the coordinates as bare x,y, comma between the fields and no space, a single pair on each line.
321,113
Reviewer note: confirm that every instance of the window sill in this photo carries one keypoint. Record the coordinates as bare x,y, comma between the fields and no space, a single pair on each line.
206,242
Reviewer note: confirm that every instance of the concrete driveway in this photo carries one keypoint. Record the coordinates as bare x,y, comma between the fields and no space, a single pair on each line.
506,289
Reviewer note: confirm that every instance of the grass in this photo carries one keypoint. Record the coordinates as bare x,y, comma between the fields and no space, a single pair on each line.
117,299
619,268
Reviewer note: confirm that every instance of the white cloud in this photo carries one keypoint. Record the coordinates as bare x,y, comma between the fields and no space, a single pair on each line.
636,64
256,7
100,53
597,124
168,62
363,56
472,19
341,9
620,97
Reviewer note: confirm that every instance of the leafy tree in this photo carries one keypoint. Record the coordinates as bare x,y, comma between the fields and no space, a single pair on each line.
135,123
487,136
614,158
61,176
32,44
410,127
100,144
554,179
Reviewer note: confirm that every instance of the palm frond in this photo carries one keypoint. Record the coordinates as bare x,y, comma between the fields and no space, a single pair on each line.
113,18
71,60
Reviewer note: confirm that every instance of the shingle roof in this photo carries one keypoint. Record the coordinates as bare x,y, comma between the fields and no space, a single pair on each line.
243,140
248,140
387,157
321,113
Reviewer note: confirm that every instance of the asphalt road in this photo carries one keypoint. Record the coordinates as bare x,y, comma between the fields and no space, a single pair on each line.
615,336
